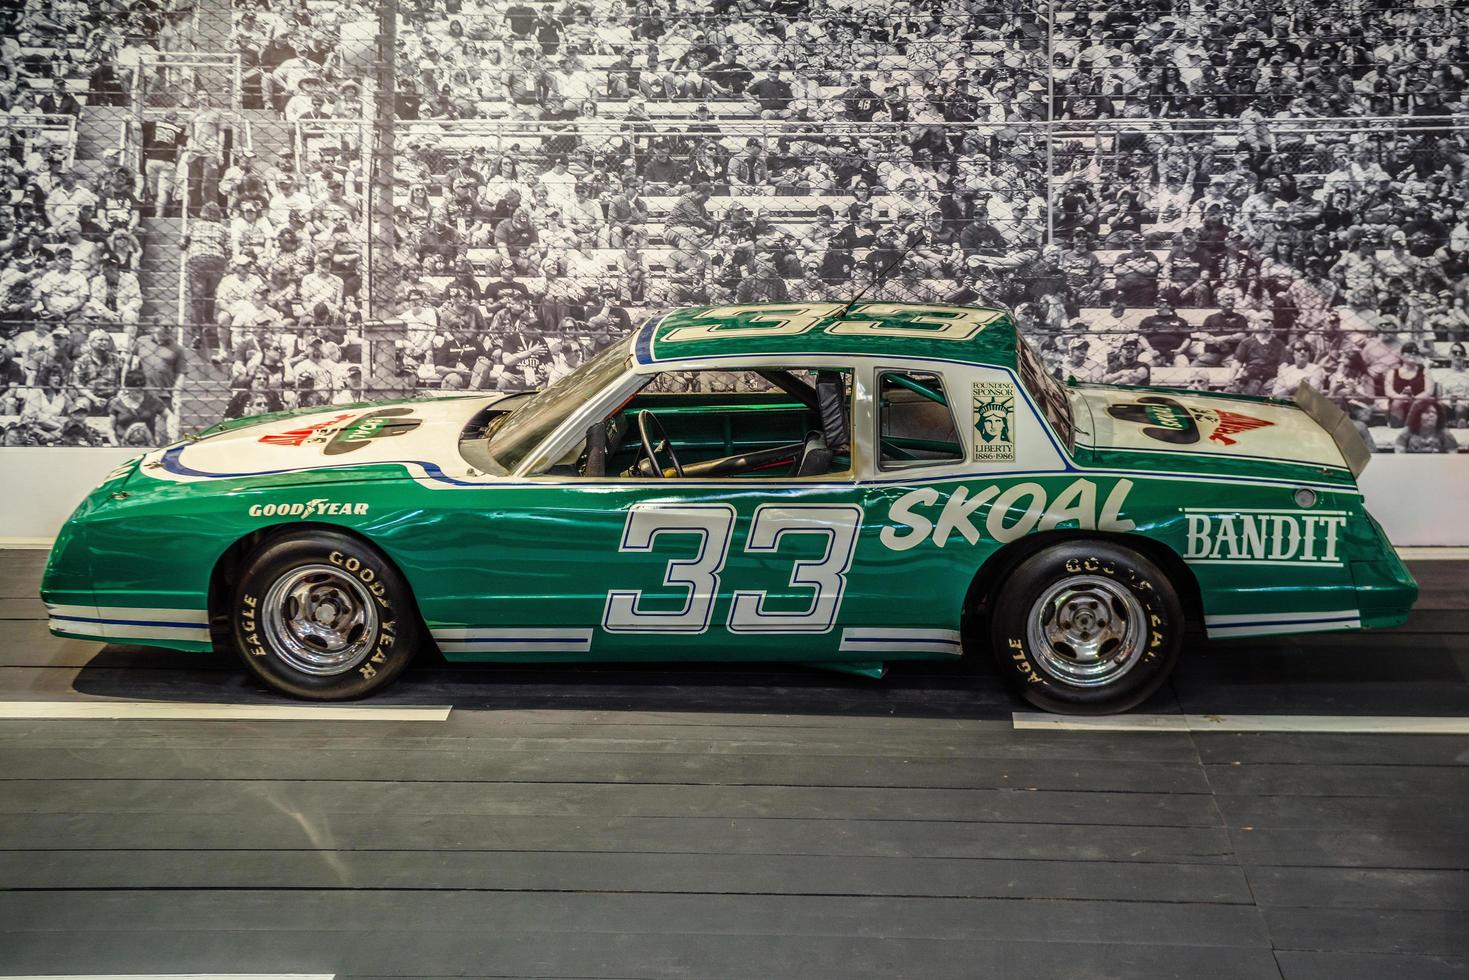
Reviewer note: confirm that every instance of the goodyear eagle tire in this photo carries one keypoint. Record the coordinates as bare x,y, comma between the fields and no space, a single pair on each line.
323,616
1086,627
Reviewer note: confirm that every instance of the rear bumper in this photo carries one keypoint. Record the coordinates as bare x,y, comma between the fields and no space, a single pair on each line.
1379,595
1386,591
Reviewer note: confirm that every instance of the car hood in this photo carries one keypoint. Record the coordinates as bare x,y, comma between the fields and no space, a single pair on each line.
423,432
1212,427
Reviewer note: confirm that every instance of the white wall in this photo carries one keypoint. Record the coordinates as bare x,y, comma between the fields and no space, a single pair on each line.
1420,500
39,488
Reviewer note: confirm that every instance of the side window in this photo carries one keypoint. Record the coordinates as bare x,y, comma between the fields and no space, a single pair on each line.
767,423
915,421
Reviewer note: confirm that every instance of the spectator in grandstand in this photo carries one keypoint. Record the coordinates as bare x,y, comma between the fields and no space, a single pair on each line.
117,204
1184,279
1124,367
59,101
286,197
1167,335
1079,363
86,256
313,374
323,287
1409,381
243,181
1136,272
1452,387
97,371
43,410
1221,334
70,201
12,379
1425,430
234,302
1257,359
163,142
64,289
203,151
115,297
770,96
1302,368
251,232
206,254
517,241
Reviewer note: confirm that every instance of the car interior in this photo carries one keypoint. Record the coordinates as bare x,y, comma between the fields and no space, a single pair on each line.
782,423
915,421
775,423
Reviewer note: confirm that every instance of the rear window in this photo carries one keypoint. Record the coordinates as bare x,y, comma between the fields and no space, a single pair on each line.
915,421
1047,391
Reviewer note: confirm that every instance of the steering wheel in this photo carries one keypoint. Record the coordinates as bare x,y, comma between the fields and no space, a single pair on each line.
648,428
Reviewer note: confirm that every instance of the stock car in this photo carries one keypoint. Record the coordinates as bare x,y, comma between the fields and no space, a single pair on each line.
840,485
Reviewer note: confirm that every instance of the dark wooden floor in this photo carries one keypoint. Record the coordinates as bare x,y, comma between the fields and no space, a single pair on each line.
725,822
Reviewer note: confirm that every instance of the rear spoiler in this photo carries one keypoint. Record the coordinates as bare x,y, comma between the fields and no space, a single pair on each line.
1337,424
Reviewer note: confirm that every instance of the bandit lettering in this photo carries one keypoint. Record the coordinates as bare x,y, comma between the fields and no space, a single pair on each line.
1243,537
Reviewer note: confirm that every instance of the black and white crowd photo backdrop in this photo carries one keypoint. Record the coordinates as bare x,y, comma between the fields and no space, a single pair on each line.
1054,564
219,209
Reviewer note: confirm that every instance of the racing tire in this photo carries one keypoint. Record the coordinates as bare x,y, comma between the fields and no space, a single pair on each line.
1086,627
323,616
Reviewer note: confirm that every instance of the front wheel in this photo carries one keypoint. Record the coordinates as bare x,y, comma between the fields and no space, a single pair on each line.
324,616
1086,627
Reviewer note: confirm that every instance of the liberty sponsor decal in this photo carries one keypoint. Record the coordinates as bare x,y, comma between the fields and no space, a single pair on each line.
310,508
381,424
994,421
317,432
1007,515
1263,537
1167,420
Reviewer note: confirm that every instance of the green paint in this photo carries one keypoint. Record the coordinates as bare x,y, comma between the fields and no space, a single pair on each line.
544,553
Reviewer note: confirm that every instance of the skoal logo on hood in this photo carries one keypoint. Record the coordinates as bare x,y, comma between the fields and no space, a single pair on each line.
343,433
381,424
1170,421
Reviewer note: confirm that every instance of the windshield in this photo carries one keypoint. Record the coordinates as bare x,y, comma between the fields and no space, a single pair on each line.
510,438
1047,392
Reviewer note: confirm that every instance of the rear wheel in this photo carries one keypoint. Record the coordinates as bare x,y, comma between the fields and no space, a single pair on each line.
324,616
1086,627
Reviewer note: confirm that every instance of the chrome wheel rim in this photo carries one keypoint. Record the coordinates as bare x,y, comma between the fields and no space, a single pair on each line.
1087,631
320,620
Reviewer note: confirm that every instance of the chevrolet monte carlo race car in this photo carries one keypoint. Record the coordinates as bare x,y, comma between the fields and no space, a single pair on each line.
842,485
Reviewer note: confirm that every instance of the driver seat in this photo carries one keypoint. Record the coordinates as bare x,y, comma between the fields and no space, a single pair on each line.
815,458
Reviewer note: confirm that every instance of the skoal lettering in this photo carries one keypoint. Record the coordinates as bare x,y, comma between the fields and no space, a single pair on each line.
1004,515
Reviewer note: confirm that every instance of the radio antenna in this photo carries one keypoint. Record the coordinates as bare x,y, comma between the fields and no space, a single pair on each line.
877,279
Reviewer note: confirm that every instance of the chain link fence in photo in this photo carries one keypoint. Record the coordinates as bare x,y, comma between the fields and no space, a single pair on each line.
218,208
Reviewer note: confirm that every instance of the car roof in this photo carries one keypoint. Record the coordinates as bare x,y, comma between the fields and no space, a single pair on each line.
970,334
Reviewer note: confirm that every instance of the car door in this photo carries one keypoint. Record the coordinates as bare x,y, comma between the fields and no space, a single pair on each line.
662,568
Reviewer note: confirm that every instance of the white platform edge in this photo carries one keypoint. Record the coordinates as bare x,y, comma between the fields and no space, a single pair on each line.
206,711
1322,724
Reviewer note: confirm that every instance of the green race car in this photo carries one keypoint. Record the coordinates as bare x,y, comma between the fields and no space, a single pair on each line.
842,485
